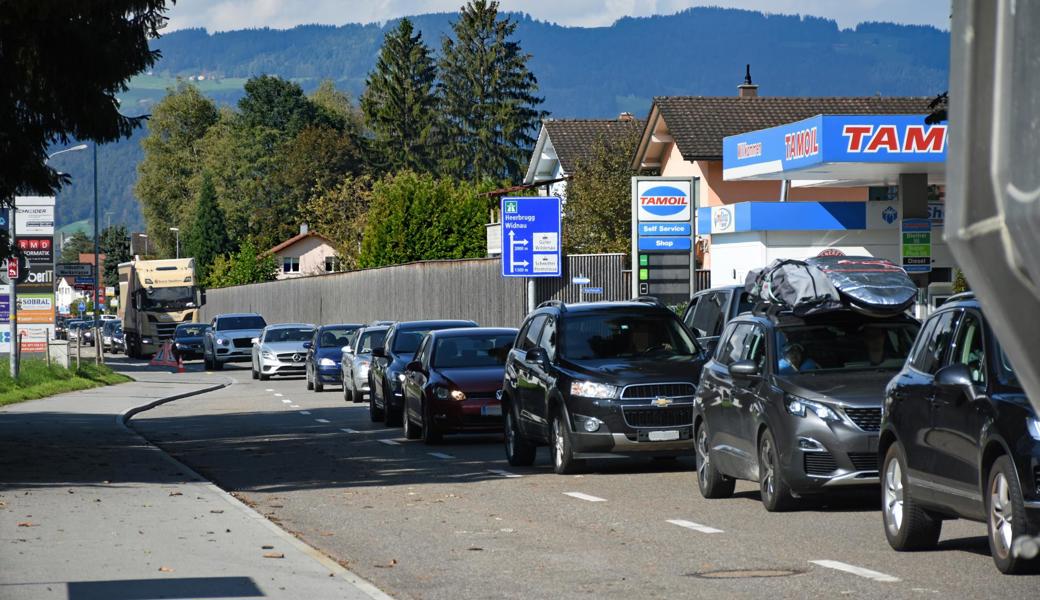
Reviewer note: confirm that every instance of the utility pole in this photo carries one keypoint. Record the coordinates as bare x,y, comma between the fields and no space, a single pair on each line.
13,310
97,267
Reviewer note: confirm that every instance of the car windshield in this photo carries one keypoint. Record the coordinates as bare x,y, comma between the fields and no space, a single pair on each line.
181,296
472,351
190,330
608,335
844,346
369,340
247,322
288,334
336,338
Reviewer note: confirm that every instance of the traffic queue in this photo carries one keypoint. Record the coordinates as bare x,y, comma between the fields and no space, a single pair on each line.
810,379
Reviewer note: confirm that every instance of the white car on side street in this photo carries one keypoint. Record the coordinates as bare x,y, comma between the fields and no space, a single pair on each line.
280,350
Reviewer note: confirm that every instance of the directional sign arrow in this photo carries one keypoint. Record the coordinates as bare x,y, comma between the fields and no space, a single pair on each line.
522,263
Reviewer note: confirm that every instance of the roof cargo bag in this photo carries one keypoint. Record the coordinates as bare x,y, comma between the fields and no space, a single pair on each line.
872,286
802,287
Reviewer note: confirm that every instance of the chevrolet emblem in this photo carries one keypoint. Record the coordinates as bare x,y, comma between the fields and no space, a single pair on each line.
662,402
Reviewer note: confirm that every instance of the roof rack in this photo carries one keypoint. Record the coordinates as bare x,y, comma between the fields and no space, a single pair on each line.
648,300
968,295
768,309
557,303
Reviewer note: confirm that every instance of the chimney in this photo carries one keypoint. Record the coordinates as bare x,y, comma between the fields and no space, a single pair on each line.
626,116
303,228
747,89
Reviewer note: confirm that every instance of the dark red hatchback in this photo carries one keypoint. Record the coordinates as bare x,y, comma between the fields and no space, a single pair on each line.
453,385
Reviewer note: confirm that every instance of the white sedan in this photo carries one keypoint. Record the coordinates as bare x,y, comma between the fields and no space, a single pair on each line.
281,350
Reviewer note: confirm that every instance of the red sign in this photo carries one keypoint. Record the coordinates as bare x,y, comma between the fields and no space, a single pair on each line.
831,252
12,269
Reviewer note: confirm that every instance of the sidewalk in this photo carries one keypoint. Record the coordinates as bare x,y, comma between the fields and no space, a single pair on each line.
90,510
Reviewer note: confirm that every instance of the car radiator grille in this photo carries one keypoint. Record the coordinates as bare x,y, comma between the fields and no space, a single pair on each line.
864,461
288,356
867,419
671,416
655,390
243,342
820,463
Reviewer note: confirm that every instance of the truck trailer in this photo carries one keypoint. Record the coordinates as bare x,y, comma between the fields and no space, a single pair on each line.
154,297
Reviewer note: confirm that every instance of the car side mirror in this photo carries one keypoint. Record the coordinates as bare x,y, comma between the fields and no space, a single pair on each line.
254,341
537,356
307,345
346,349
414,366
379,352
955,380
744,369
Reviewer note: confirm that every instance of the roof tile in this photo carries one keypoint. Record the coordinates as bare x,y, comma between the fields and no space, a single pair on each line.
574,139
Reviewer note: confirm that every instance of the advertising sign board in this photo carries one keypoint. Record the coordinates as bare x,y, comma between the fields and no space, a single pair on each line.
662,225
916,245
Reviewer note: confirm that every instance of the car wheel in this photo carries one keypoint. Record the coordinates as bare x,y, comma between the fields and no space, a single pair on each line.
430,434
710,482
254,372
374,412
393,417
347,396
1006,519
520,452
219,366
411,430
907,525
562,451
776,495
319,387
307,376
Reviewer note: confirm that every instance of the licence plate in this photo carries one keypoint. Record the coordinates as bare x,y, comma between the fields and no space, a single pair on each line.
663,436
491,410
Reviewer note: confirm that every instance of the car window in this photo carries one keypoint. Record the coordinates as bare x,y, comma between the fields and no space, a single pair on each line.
708,318
844,345
529,337
969,349
691,310
548,338
744,303
732,349
190,330
369,340
932,354
247,322
335,338
407,342
755,347
917,352
604,335
422,353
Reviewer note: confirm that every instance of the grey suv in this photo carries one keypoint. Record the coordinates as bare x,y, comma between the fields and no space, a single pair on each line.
794,403
230,339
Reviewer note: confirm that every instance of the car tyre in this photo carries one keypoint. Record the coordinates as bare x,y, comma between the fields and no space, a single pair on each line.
520,452
411,430
319,387
254,372
393,417
1006,519
431,435
908,526
774,491
561,449
710,482
348,397
374,412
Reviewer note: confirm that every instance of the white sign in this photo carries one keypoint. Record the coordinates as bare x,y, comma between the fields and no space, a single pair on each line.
546,263
664,200
723,220
34,215
545,242
884,215
581,281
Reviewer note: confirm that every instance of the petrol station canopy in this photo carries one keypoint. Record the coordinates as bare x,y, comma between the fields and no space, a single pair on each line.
839,151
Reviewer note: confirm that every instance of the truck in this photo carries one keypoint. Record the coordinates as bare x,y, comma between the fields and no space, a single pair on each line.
154,297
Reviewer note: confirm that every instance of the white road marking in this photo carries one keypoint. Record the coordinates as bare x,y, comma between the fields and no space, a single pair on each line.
585,497
441,455
305,412
294,406
694,526
268,390
504,473
278,395
286,401
840,566
322,420
389,442
348,430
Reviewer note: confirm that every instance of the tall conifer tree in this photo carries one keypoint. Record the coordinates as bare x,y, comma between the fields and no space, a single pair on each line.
208,237
490,110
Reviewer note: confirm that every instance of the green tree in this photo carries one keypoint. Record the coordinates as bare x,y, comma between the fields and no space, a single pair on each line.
207,239
62,65
338,107
489,108
277,104
960,282
115,244
599,199
78,243
244,267
416,217
399,102
173,156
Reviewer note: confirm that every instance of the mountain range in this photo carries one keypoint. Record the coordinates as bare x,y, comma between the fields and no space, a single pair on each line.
582,72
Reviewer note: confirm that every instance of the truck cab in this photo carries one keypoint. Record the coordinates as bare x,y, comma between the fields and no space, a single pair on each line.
154,297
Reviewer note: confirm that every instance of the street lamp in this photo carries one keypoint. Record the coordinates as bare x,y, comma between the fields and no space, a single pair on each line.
177,230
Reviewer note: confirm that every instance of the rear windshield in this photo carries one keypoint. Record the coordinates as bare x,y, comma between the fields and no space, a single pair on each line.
598,336
846,346
289,334
336,337
472,351
250,322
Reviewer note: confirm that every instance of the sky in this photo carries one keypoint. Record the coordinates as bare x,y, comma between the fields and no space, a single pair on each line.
224,15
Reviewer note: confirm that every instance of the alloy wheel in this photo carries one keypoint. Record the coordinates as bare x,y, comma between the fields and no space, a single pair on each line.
703,457
893,493
766,461
510,435
557,443
1000,514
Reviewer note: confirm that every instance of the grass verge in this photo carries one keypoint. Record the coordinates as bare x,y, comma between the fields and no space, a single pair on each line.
37,380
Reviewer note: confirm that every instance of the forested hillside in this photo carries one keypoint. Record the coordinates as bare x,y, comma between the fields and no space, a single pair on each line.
582,72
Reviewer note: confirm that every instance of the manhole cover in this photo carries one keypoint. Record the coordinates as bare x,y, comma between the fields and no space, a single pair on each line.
745,573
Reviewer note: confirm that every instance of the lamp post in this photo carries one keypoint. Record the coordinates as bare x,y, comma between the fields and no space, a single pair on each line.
177,231
97,268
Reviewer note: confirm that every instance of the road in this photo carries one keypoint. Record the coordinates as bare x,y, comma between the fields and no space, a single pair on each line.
455,521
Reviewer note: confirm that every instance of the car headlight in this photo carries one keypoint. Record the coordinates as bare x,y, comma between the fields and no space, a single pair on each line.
458,395
442,393
400,377
326,362
267,354
592,389
222,341
1033,427
799,406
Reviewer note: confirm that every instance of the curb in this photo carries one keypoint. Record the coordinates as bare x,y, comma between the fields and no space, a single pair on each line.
123,420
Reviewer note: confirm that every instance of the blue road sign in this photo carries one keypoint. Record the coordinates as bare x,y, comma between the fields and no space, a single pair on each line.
593,290
531,237
664,243
82,306
664,229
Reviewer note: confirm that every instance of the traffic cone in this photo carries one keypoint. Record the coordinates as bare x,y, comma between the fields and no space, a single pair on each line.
180,364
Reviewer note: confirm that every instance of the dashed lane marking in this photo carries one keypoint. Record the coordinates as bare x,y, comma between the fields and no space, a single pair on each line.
268,390
278,395
322,420
504,473
389,442
294,406
305,412
585,497
349,430
286,401
847,568
694,526
441,455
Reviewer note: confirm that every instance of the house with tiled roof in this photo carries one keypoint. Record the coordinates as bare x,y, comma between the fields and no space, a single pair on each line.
307,253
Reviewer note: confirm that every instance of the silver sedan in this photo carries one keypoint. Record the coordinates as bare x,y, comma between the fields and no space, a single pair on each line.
281,350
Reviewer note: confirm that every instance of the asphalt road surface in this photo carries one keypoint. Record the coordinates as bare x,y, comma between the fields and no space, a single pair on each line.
455,521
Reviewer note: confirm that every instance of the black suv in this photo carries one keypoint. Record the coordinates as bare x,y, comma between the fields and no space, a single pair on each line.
602,377
386,375
795,402
960,439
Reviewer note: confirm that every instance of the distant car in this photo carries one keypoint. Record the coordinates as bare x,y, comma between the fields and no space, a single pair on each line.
281,350
230,338
388,362
119,340
109,318
187,340
454,384
86,331
72,329
710,310
356,360
324,352
107,327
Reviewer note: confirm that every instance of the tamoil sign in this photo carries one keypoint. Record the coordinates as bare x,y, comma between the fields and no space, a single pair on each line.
663,200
